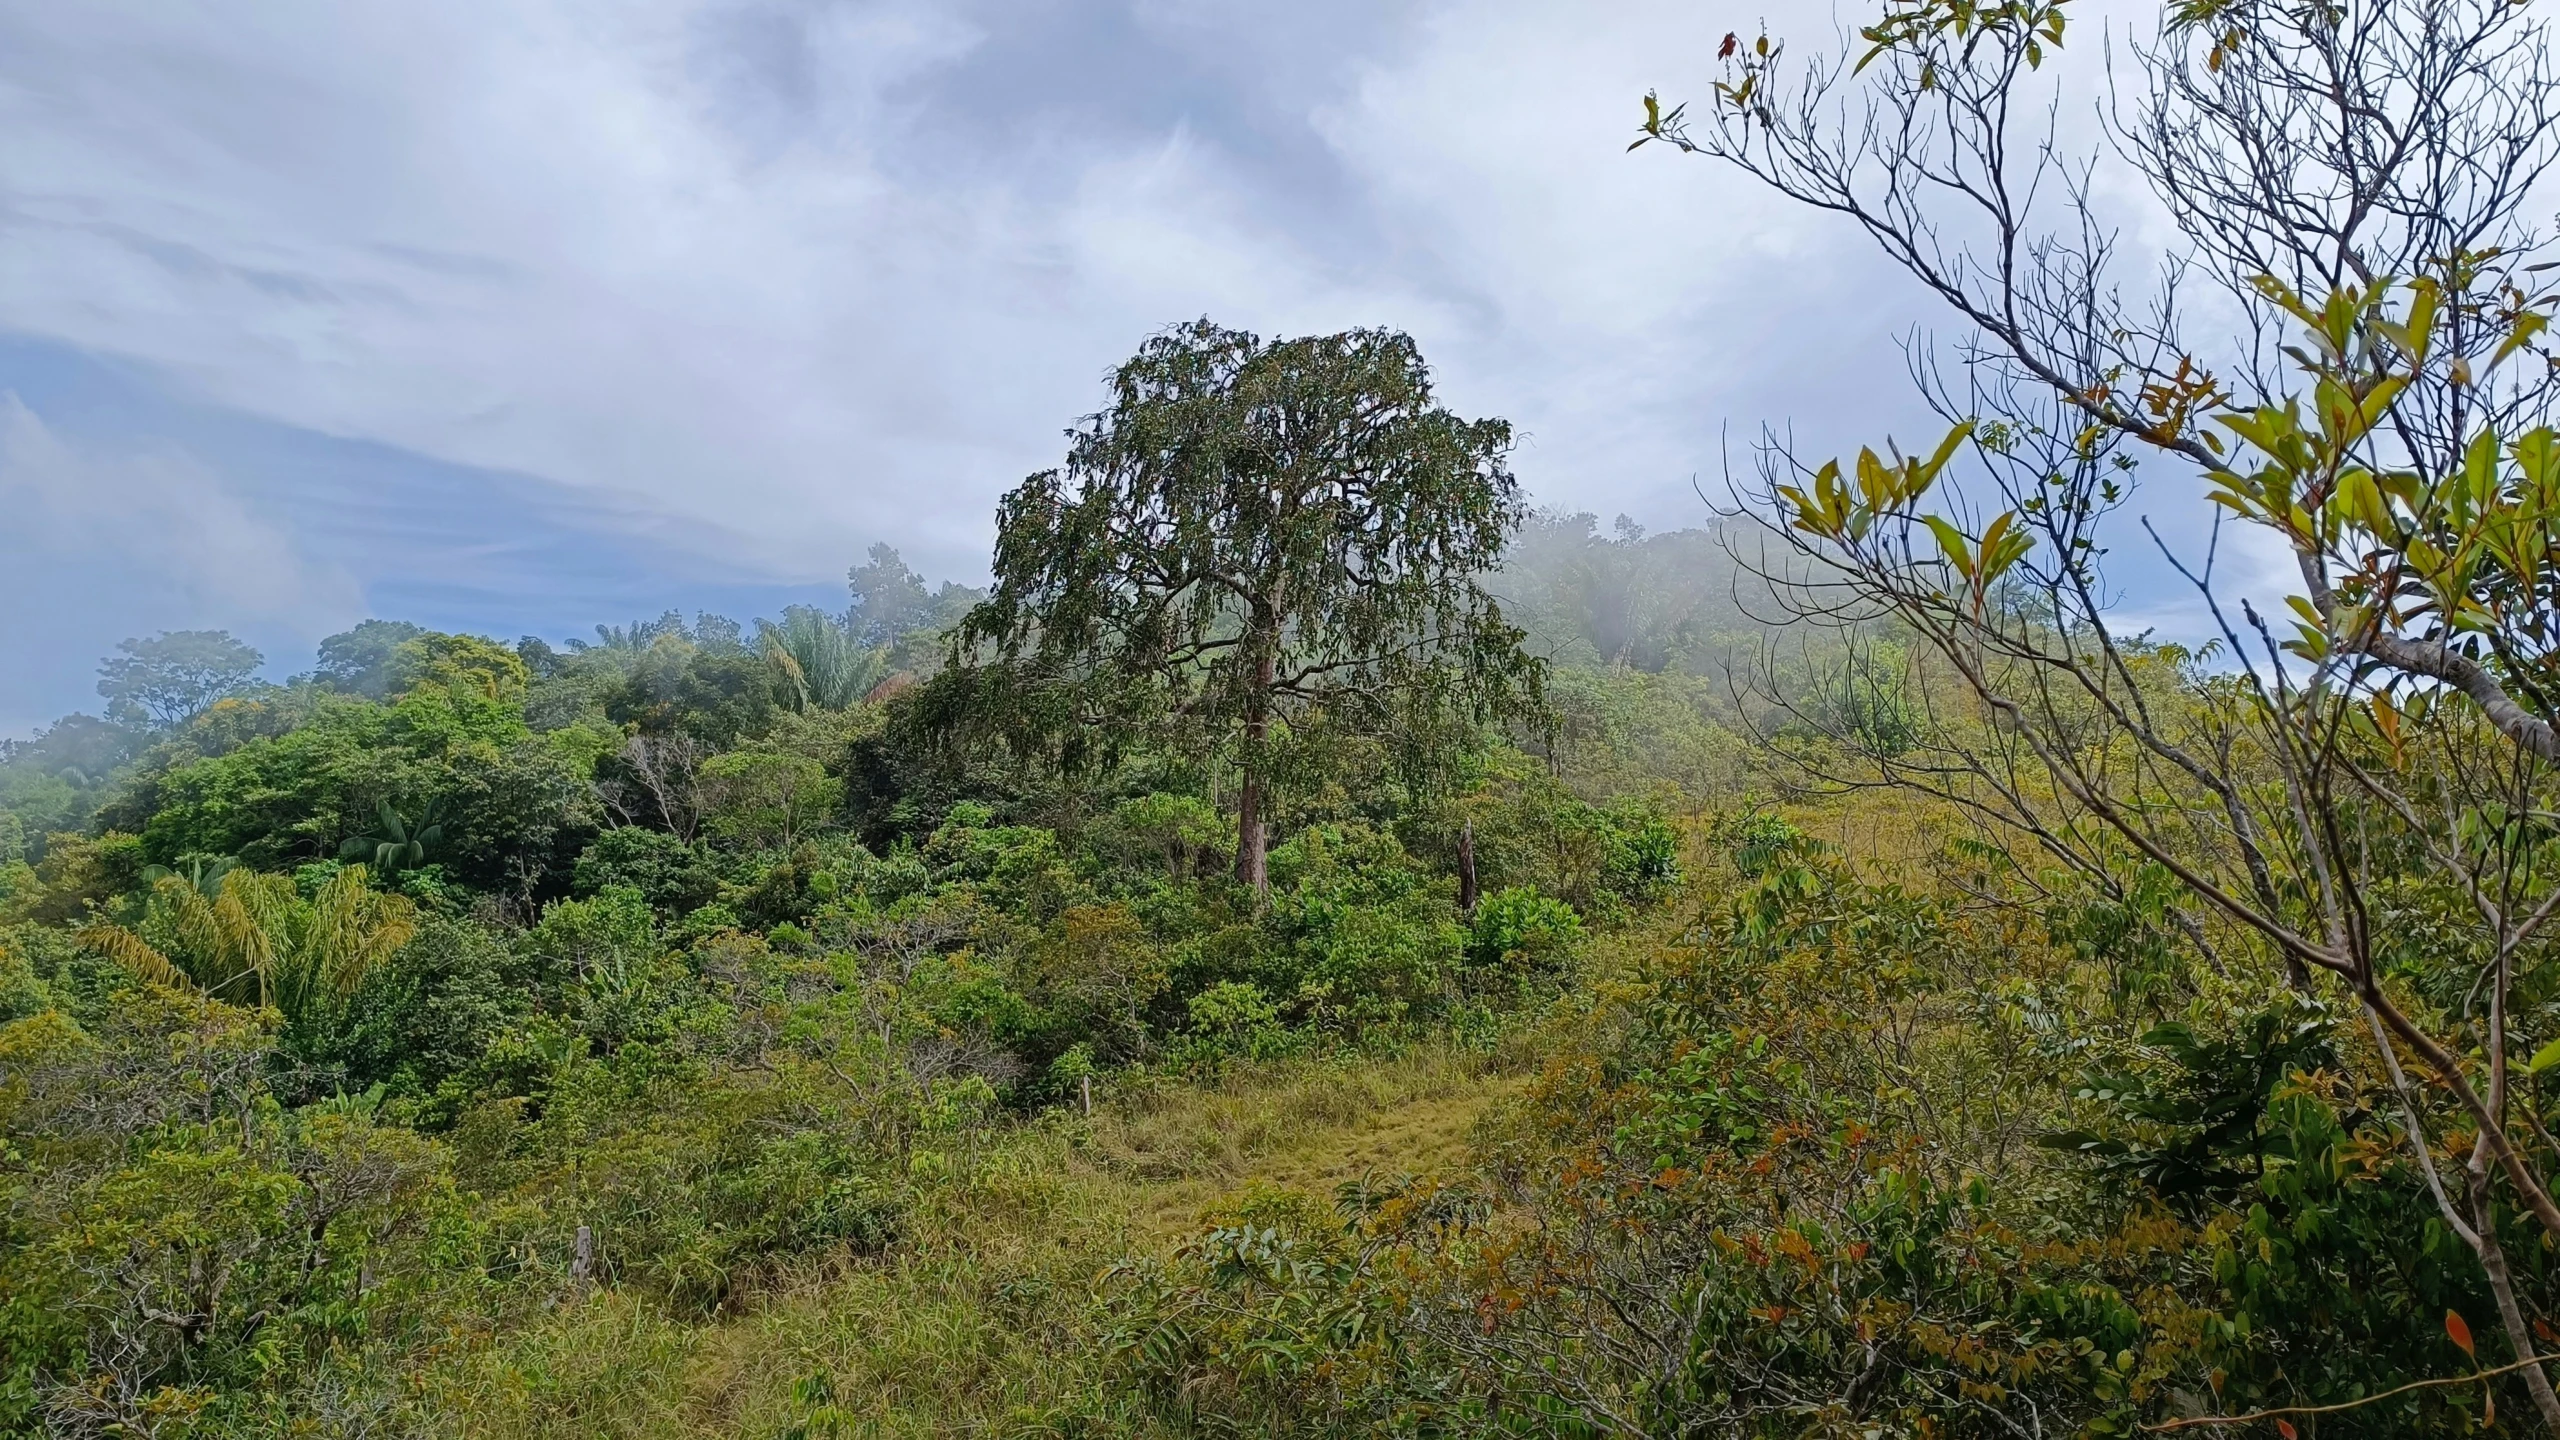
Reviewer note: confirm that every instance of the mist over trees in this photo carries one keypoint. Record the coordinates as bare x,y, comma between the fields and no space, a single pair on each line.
1673,600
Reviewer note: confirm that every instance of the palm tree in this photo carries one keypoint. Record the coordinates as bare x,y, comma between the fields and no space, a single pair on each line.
203,872
255,941
397,843
819,658
633,638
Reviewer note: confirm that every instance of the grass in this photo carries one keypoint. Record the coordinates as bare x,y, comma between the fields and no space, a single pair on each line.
982,1321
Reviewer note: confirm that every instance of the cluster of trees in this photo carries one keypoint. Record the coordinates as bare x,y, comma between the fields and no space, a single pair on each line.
451,976
1968,1019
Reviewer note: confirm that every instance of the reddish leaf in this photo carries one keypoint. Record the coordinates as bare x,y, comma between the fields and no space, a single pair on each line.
2285,1429
1732,42
2460,1330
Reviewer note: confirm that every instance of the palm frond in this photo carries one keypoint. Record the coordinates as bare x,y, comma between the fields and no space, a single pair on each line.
134,955
820,657
244,945
353,928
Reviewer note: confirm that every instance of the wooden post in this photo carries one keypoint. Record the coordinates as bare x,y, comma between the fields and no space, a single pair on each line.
1086,1083
582,1264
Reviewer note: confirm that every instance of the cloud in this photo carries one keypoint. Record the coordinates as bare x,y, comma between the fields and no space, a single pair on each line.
106,540
163,515
771,279
830,272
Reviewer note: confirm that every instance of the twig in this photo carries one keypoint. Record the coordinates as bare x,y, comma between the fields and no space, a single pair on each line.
2257,1415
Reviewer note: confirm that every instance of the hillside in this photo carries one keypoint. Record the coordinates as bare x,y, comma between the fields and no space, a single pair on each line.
1316,948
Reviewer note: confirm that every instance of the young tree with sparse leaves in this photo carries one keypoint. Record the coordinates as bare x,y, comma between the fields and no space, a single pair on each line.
2367,793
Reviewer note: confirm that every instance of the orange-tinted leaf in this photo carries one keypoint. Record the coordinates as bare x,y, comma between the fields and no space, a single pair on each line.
2285,1429
2460,1329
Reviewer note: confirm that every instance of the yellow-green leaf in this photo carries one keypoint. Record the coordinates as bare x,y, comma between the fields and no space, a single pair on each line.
1952,542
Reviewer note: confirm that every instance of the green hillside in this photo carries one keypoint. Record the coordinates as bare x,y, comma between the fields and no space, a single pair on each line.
1316,947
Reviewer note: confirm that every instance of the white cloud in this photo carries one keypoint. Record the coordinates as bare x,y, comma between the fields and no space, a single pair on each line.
802,275
716,255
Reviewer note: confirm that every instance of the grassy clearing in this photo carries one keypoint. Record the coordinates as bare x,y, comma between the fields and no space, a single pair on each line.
982,1321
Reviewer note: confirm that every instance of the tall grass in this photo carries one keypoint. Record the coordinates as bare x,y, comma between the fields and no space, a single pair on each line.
985,1318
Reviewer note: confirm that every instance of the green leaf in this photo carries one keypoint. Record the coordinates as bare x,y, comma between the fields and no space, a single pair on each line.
1952,541
2528,325
1938,458
2543,1059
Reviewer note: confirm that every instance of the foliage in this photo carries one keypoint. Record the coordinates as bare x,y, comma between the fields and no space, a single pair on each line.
179,1248
252,939
766,799
675,877
1340,1012
1250,534
1522,930
361,661
174,676
397,843
819,658
2371,396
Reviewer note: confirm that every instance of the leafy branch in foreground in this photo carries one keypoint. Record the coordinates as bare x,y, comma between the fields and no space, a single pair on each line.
2352,180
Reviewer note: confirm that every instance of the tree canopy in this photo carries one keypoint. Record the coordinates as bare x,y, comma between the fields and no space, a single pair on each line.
173,676
1251,533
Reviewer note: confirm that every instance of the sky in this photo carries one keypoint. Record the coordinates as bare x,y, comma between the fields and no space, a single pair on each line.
522,316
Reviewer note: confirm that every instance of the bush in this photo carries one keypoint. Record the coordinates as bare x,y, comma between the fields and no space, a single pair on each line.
672,876
1522,931
1235,1017
179,1246
432,1011
1356,936
694,1178
1640,856
22,991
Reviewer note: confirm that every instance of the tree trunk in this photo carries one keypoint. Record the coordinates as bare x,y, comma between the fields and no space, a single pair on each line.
1252,866
2493,1260
1252,843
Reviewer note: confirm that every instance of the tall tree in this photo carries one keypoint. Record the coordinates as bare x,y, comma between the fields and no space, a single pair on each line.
1250,532
891,602
172,677
362,661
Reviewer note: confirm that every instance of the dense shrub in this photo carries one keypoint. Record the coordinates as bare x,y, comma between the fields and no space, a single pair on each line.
1522,931
671,875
